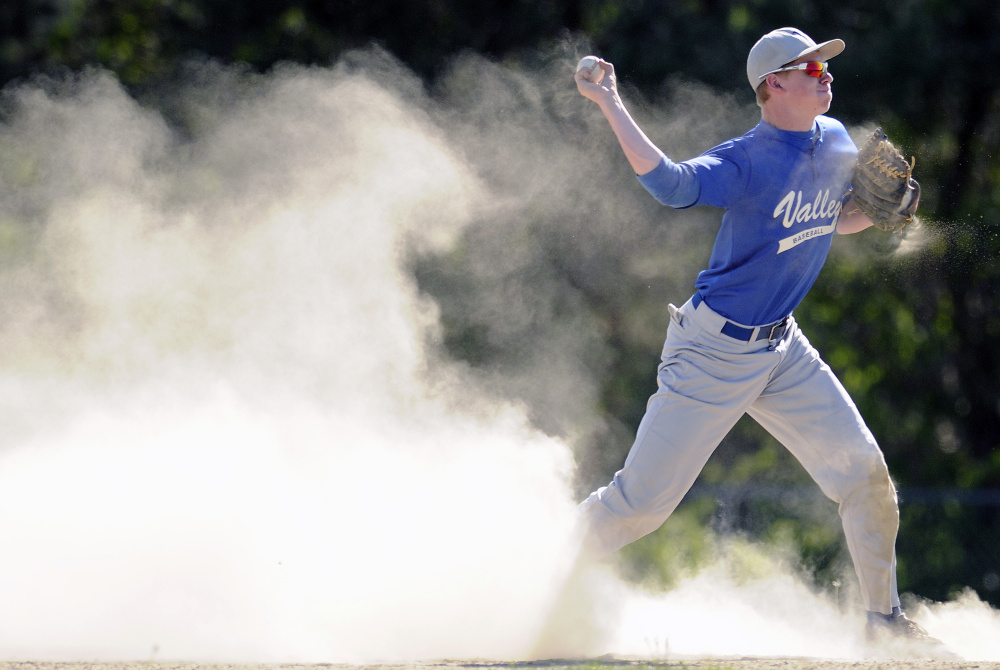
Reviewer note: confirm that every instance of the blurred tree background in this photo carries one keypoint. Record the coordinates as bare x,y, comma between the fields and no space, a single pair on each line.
914,342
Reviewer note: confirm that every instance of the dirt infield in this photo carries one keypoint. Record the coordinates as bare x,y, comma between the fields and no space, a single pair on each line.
592,664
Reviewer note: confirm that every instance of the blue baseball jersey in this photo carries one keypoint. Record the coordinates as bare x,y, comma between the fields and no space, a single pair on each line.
782,192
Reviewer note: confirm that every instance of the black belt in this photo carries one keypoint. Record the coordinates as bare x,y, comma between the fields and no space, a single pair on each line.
770,332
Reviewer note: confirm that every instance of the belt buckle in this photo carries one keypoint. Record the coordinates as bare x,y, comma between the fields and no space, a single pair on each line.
780,327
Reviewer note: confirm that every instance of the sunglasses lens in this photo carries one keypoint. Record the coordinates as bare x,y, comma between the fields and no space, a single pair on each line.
815,69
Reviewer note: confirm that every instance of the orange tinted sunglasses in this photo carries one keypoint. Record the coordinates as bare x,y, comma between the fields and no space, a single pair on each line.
813,69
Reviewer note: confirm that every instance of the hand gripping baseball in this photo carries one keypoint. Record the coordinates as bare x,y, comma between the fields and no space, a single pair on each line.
594,77
883,185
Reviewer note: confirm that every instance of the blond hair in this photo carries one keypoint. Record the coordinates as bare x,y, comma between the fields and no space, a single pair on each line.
763,94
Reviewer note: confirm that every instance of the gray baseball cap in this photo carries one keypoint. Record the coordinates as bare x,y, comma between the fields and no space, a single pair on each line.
780,47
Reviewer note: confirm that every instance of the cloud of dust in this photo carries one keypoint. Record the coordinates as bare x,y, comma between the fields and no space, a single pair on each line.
228,439
773,612
231,433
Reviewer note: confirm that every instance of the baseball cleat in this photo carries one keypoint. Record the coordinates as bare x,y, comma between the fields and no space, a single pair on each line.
899,637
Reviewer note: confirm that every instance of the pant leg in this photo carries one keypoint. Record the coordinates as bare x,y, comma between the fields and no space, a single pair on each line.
706,381
806,408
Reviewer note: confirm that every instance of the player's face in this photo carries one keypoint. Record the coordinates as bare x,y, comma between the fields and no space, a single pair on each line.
813,94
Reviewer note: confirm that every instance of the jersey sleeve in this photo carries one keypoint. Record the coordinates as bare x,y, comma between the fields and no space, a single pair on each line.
673,184
723,174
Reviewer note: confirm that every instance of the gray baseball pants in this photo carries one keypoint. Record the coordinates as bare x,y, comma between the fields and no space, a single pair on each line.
706,381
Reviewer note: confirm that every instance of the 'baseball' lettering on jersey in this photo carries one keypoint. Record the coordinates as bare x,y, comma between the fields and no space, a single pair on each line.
800,237
820,208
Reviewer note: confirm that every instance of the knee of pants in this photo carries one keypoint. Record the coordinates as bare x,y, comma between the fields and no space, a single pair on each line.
873,489
608,508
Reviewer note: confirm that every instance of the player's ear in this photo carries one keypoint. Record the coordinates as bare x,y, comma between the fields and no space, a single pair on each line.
774,83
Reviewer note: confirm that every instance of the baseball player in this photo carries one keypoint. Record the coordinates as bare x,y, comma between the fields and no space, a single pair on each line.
734,347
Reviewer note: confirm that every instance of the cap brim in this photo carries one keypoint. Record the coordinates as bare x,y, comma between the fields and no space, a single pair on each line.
826,50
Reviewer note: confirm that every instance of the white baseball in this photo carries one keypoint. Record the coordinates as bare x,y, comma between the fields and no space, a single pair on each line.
591,68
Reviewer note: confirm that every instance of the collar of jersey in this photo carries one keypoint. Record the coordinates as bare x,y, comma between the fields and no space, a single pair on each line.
804,140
